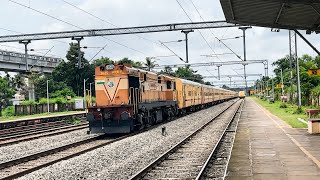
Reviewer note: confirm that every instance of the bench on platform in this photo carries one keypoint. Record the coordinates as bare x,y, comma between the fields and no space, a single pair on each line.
314,126
311,113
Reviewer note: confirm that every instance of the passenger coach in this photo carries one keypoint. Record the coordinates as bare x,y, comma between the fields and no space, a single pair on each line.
128,98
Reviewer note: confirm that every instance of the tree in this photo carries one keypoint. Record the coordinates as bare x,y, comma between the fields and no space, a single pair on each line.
149,63
136,64
308,83
188,73
6,93
102,61
56,89
69,73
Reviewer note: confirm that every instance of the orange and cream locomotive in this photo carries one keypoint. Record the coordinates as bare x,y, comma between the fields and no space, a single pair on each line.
128,98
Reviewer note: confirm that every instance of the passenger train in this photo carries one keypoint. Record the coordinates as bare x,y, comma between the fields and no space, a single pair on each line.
128,98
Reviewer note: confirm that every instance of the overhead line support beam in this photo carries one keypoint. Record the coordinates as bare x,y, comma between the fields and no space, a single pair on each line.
308,42
118,31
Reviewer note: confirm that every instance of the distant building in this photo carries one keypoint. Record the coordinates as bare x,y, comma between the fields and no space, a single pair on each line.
18,98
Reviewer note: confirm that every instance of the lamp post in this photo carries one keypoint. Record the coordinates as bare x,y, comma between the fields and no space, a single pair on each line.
48,104
84,94
90,94
282,92
272,87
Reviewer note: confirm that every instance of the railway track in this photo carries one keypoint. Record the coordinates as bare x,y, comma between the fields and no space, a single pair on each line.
188,159
217,163
43,131
22,166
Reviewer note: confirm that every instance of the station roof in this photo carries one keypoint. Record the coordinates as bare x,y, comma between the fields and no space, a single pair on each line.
282,14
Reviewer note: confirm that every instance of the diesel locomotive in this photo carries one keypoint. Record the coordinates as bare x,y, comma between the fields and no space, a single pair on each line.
128,98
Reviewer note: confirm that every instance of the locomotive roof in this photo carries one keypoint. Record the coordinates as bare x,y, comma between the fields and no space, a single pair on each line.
141,70
199,84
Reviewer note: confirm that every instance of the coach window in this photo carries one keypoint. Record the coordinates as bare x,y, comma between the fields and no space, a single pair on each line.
145,77
142,88
159,79
169,85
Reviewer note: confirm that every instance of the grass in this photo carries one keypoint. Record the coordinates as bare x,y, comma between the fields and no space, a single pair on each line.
286,114
8,118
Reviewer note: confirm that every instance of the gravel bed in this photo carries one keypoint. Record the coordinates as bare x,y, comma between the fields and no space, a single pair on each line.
37,145
122,159
198,149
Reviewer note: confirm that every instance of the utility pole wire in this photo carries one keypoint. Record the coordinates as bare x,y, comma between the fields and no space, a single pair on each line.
98,52
73,25
212,32
108,22
172,51
200,31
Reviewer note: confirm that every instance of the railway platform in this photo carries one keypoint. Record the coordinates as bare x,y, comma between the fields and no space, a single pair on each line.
267,148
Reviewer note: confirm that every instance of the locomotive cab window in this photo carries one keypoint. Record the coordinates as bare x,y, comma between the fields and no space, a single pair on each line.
174,86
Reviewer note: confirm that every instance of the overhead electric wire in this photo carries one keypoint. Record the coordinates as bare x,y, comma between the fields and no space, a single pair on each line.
108,22
74,25
213,33
199,31
172,51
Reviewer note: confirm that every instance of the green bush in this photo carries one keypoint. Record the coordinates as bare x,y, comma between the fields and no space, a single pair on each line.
283,105
74,120
298,111
63,93
43,101
52,101
30,102
60,100
8,111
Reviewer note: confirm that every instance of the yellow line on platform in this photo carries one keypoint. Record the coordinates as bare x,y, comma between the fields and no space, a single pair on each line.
315,160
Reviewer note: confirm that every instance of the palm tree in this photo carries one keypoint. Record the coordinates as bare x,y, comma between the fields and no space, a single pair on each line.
149,63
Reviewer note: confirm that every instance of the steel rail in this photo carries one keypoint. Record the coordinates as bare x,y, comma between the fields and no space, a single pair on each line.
20,123
20,129
205,165
162,157
33,128
53,151
40,129
50,132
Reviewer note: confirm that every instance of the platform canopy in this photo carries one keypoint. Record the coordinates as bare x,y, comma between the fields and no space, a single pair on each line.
282,14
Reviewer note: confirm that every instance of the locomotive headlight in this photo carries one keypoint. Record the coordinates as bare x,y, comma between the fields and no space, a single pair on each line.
109,67
99,109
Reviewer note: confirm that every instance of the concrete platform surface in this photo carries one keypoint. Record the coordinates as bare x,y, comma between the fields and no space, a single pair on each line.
267,148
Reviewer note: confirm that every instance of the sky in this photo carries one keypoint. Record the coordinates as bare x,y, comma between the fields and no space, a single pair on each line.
261,42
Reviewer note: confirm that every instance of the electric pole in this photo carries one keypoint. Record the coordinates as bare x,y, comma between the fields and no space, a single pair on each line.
186,32
244,54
